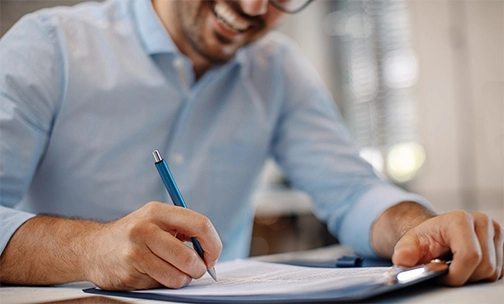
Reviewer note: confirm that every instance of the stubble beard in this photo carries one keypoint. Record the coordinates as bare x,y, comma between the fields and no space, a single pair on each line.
193,29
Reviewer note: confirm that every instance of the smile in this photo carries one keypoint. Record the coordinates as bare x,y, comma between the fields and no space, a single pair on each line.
230,19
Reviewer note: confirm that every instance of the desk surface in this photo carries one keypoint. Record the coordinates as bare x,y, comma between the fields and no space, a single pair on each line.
72,293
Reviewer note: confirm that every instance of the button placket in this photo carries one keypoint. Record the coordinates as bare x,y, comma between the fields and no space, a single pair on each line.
178,158
184,74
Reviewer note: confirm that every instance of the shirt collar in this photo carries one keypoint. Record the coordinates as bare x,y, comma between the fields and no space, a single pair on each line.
152,33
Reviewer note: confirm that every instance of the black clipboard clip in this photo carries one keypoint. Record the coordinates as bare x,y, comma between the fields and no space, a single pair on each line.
357,261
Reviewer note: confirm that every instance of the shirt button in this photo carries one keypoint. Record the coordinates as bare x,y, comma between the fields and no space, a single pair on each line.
178,63
178,158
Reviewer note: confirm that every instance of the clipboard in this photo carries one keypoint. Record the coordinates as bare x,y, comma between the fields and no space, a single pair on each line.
390,279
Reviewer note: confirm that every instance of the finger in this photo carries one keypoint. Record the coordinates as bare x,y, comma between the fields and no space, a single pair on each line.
130,274
137,282
152,271
124,279
484,229
407,251
499,249
165,273
460,236
189,223
143,269
175,252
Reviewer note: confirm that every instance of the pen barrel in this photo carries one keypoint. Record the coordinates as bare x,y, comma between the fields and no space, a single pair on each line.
177,199
170,184
197,247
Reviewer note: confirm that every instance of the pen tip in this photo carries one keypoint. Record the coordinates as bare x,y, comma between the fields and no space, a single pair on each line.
212,273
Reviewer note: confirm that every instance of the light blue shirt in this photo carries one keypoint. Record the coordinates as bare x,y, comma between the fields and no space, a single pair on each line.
88,92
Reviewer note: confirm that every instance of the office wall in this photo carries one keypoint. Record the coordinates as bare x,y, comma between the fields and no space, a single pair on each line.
459,96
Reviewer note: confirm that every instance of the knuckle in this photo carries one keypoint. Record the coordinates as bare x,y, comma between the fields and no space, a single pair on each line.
219,245
489,274
499,232
205,225
463,215
483,218
179,281
151,207
493,277
473,256
193,264
488,270
190,259
137,230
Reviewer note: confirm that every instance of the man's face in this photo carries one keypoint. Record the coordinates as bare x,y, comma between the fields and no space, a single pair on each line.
216,29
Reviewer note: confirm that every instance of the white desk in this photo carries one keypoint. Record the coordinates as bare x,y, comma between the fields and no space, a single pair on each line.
72,293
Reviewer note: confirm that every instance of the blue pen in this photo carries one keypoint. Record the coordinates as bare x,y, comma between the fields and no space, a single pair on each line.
177,199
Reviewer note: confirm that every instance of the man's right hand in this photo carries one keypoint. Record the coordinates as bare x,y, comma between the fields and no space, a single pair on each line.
145,249
142,250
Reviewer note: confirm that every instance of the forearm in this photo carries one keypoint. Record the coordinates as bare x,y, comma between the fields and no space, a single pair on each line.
145,249
393,223
48,250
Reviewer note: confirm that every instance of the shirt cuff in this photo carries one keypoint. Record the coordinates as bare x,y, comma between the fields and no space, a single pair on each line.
355,230
10,221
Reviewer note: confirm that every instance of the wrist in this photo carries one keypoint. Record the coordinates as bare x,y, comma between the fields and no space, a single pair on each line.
78,239
89,253
393,223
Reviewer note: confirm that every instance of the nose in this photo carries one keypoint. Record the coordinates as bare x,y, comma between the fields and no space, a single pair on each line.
254,7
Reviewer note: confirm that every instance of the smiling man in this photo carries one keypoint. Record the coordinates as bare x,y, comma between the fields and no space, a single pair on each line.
88,92
211,32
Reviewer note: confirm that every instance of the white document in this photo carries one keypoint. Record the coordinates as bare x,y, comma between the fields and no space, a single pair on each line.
248,277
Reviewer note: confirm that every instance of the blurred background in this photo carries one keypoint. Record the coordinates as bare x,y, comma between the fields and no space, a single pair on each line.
421,87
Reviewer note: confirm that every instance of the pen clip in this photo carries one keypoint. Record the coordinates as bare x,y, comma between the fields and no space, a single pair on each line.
157,156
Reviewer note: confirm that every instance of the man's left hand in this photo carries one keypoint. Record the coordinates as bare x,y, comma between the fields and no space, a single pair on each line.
412,235
475,241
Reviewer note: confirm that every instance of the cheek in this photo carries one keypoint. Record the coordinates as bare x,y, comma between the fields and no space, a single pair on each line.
196,22
274,16
191,13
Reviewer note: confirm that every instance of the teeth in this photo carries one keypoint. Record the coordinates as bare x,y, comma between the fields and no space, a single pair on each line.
230,18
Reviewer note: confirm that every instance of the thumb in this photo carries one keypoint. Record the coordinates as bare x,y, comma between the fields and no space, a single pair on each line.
407,251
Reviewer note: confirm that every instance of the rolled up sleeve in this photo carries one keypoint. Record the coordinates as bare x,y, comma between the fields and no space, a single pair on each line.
356,225
315,151
10,221
30,85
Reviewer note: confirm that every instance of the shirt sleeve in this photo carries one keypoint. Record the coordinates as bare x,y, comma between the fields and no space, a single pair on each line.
29,92
317,155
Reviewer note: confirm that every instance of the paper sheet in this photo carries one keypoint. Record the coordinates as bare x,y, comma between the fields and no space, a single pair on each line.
248,277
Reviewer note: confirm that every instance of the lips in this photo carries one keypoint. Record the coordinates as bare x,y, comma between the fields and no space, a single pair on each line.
229,19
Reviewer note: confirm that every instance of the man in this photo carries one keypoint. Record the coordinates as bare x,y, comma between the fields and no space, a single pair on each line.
89,92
